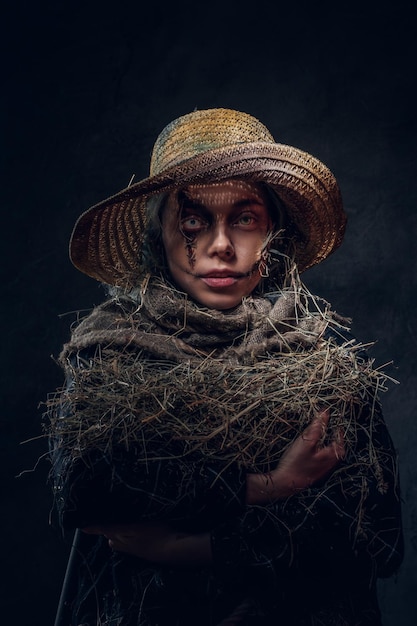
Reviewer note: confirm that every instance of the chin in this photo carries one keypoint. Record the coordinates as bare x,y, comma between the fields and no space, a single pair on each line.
219,302
222,300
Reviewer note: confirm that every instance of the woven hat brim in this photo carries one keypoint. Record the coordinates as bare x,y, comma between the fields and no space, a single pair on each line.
106,241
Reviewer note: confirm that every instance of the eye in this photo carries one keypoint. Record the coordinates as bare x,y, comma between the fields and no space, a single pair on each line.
245,220
192,224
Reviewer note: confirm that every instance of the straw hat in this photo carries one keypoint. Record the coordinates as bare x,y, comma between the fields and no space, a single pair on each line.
203,147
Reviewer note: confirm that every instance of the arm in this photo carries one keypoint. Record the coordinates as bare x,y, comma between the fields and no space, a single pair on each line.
304,463
168,491
353,517
102,488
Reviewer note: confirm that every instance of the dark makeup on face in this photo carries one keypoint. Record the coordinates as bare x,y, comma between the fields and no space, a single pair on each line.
214,239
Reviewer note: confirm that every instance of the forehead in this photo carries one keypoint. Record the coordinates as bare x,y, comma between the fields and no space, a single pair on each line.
224,192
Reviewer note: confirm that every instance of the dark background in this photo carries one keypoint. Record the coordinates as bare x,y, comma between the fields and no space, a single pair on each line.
86,88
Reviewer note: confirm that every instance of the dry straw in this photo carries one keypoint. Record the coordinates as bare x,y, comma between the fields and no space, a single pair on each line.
236,413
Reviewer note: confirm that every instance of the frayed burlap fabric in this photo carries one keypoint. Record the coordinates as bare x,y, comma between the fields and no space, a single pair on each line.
175,379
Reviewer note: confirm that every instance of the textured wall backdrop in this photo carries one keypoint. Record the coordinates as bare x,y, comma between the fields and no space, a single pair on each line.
87,86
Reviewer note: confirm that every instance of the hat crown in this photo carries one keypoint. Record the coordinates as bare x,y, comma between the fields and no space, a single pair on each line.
201,131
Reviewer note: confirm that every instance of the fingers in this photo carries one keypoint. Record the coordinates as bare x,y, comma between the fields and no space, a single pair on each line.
315,432
333,452
317,428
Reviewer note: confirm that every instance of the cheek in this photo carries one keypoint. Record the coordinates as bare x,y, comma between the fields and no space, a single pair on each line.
180,256
254,280
249,248
179,249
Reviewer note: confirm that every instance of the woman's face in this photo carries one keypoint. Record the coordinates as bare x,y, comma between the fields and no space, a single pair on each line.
213,237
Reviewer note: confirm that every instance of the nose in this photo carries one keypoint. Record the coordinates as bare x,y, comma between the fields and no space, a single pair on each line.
221,244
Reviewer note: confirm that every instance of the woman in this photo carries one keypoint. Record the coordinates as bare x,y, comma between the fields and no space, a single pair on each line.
220,430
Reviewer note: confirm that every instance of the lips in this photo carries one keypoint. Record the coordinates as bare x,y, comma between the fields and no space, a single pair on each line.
224,281
219,279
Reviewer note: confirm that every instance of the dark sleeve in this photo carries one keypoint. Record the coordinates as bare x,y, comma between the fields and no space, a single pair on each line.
123,486
352,520
116,489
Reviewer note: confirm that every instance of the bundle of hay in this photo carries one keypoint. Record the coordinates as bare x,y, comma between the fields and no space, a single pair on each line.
237,413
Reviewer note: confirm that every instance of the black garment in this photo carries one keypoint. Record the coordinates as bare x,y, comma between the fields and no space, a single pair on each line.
297,562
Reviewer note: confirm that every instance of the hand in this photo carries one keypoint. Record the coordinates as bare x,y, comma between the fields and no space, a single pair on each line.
156,542
304,463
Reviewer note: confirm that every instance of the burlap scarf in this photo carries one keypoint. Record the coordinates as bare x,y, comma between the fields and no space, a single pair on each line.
154,369
166,323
